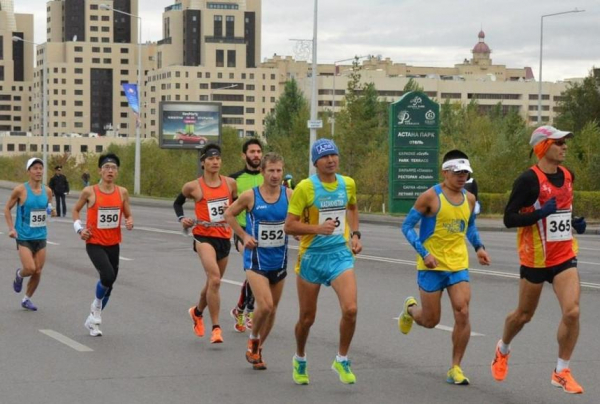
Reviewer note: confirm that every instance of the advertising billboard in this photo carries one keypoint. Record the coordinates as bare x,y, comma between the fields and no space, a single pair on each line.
189,125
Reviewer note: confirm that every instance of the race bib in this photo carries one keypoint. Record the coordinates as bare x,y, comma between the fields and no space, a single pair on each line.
339,218
108,218
216,209
271,234
558,226
37,218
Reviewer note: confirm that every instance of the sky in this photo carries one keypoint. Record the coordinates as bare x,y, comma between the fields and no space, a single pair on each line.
416,32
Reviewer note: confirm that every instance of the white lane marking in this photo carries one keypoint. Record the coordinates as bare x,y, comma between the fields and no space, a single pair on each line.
52,243
67,341
232,282
589,263
450,329
125,259
406,262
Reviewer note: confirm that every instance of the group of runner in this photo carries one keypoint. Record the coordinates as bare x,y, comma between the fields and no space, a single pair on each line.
321,212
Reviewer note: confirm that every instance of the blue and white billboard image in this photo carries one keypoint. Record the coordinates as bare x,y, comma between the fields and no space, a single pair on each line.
189,125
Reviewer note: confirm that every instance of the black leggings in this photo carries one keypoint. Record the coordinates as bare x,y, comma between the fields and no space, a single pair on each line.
106,261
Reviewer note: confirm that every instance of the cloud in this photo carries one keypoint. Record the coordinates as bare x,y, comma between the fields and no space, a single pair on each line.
433,32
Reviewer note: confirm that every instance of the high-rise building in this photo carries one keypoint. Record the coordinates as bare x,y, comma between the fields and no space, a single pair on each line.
210,51
16,68
90,52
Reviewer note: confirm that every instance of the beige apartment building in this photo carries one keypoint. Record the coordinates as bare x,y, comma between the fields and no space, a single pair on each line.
209,52
16,68
475,79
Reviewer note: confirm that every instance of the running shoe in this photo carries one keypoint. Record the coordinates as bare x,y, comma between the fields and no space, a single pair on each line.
405,321
252,353
96,314
198,322
238,316
565,380
343,370
28,305
216,337
92,327
260,363
500,365
300,374
456,376
18,282
248,319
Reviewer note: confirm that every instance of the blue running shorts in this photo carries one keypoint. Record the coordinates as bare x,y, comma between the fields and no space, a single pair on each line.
435,281
323,267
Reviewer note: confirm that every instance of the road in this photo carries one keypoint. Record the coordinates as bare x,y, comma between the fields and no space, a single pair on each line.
149,353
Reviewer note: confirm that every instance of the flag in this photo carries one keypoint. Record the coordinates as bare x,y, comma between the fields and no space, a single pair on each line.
131,92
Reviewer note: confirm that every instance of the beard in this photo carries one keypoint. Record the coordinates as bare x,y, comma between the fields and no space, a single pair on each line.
252,164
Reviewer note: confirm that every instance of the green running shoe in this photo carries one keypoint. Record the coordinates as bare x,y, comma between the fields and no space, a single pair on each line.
300,374
344,371
405,321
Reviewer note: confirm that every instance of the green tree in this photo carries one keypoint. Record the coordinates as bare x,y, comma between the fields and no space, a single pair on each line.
412,85
580,105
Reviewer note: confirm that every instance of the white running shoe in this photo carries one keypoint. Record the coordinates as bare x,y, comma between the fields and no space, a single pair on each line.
92,327
96,313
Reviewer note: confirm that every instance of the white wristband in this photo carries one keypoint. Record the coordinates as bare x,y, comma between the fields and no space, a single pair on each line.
77,226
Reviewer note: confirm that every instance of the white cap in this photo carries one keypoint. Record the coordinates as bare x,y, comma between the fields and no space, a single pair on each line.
547,132
32,161
457,165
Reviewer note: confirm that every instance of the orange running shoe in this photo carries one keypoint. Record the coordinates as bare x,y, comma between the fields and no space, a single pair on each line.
565,380
238,316
252,353
198,322
500,365
216,337
260,365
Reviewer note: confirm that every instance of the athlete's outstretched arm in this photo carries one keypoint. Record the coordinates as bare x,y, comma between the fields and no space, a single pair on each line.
352,215
127,210
12,201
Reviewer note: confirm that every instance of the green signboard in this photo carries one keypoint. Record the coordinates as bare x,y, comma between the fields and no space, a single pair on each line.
414,149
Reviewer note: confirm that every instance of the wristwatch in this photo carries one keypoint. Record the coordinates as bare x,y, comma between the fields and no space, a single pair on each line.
355,233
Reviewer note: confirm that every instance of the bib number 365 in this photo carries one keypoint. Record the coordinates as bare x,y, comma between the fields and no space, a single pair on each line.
558,226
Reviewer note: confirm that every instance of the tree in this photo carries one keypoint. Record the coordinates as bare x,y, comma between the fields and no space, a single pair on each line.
580,105
412,85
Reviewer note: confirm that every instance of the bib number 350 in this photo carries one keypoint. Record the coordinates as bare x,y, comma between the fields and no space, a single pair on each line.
109,218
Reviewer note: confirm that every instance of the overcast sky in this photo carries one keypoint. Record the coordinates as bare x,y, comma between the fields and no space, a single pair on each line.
417,32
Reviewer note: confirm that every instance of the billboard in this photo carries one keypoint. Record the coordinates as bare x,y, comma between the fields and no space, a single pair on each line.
189,125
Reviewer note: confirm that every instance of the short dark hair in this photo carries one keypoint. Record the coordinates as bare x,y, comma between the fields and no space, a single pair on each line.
454,154
108,156
248,142
57,167
271,157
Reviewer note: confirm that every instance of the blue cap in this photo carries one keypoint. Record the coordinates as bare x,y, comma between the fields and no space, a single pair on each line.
322,148
288,177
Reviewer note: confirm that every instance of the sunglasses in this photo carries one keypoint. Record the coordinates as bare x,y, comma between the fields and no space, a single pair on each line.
462,172
560,142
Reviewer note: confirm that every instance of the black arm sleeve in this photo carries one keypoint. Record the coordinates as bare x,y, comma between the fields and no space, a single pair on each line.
525,192
178,205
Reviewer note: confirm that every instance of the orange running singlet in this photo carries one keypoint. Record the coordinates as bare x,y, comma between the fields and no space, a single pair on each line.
104,218
210,210
550,241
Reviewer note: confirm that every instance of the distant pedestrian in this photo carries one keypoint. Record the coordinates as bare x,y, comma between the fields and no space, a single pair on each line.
85,178
60,187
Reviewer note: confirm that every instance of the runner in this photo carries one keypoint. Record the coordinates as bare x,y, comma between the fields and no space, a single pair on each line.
323,210
445,213
30,228
540,207
246,179
106,203
212,194
265,249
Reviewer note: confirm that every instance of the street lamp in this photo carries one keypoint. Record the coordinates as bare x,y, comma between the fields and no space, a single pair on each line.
539,112
44,106
136,175
313,99
333,95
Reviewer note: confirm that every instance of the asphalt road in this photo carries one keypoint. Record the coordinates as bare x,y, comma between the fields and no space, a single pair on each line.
149,353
